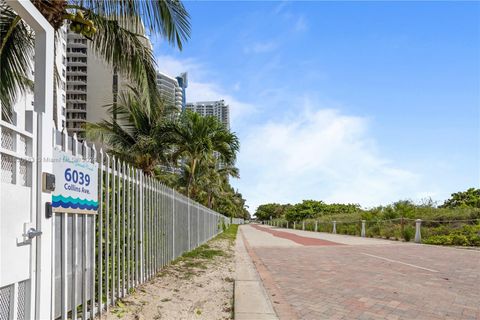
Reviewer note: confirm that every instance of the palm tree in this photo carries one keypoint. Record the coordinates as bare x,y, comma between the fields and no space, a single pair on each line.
114,28
231,203
211,180
139,133
16,50
196,138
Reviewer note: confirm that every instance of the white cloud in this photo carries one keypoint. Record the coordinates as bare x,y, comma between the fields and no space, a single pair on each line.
201,87
280,7
318,154
237,86
301,24
298,21
260,47
315,153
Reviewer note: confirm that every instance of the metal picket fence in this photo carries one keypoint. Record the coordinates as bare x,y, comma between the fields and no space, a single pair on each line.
238,221
141,226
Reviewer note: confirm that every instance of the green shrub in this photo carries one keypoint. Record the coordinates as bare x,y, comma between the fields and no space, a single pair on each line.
438,240
467,235
350,229
408,233
387,232
453,239
460,240
474,239
373,231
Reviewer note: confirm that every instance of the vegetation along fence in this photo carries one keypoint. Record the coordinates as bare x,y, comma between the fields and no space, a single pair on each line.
140,227
460,232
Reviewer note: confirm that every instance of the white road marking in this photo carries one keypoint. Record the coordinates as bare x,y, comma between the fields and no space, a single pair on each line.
400,262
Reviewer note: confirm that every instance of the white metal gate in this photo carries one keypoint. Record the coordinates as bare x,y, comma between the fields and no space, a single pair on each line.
17,218
25,253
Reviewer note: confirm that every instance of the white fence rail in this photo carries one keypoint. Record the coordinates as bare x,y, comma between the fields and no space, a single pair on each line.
141,226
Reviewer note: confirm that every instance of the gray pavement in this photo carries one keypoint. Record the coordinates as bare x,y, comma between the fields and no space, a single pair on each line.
251,299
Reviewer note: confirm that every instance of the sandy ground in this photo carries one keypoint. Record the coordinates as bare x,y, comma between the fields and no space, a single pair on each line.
193,289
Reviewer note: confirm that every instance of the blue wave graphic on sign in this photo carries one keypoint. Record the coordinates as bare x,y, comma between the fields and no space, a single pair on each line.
74,203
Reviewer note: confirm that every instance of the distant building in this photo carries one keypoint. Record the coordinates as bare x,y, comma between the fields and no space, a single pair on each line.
170,89
92,86
183,83
218,109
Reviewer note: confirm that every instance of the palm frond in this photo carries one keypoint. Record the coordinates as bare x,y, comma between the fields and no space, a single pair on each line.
168,18
15,59
125,50
134,135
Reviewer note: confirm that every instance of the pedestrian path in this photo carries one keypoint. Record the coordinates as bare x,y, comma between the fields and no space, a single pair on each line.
338,238
306,241
251,298
362,278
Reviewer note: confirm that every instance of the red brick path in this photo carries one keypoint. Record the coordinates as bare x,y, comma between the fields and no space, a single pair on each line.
306,241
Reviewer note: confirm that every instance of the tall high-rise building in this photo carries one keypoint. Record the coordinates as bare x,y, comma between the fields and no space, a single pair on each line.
218,109
92,85
77,67
172,90
183,83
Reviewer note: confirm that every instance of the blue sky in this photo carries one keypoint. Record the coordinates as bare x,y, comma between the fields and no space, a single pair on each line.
362,102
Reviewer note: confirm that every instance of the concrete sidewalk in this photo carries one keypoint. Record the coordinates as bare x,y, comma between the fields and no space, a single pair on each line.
251,299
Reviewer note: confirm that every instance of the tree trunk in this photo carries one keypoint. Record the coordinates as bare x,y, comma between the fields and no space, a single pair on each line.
209,200
190,178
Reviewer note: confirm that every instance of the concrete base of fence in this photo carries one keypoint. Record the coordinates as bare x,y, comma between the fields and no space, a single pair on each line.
251,300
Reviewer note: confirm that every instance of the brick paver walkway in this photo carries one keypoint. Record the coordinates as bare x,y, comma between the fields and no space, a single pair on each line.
369,280
306,241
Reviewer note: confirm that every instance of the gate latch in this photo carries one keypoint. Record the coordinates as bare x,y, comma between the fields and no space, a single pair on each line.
29,232
32,233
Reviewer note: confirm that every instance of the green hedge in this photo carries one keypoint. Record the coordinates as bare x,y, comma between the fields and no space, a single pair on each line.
467,235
